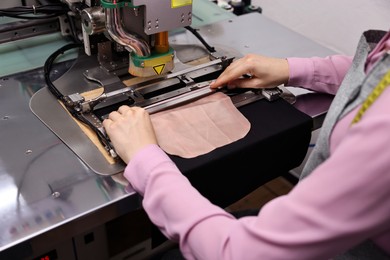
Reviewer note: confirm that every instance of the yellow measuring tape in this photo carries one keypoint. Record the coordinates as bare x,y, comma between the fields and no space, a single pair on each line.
376,92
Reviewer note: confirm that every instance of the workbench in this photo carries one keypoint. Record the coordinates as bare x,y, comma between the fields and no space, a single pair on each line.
52,204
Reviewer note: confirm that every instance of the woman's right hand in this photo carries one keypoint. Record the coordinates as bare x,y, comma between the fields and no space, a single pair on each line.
254,71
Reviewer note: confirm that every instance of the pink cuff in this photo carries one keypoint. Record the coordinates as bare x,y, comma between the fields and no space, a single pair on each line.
140,167
301,72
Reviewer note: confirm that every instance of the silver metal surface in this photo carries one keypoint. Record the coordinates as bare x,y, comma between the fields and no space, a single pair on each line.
254,33
18,30
93,20
57,119
43,184
202,90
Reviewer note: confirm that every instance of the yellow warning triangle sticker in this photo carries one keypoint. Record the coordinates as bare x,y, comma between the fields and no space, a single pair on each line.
158,69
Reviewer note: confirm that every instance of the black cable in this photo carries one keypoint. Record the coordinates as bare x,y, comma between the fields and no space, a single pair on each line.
49,64
40,12
200,38
35,12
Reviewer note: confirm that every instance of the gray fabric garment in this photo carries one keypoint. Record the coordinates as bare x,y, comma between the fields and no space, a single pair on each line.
365,251
353,91
349,95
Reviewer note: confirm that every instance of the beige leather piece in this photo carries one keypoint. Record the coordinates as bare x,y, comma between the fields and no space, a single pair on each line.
199,127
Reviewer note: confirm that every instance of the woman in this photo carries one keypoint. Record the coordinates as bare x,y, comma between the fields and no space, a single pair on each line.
341,207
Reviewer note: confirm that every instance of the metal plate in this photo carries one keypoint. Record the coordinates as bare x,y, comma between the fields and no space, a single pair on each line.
46,107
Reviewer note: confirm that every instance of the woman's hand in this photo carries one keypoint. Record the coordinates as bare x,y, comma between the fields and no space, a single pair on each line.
130,129
254,71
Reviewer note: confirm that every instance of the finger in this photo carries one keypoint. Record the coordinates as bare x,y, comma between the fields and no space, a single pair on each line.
140,112
224,77
106,123
114,115
124,109
245,83
231,73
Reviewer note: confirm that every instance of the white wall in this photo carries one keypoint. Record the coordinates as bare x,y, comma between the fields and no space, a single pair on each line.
336,24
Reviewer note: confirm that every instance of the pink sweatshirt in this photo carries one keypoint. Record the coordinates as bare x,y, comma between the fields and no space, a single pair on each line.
344,201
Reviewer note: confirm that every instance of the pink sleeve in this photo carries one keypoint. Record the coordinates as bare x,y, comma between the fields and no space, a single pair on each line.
309,223
319,74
